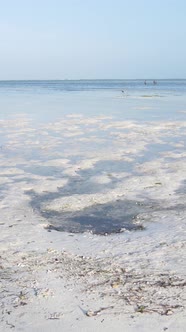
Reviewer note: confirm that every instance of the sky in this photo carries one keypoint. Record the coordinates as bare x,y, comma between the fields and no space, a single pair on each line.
92,39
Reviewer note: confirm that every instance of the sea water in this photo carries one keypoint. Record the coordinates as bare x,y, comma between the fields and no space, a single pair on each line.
44,100
92,134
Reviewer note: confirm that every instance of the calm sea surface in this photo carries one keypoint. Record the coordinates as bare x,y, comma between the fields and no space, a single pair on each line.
46,100
163,86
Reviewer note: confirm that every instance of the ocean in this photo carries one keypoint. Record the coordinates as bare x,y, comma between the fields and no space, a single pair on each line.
94,155
163,86
44,100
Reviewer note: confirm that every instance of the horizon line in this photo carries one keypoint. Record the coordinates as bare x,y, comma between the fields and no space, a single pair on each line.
94,79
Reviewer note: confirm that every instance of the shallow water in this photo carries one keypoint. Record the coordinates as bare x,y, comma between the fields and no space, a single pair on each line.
49,100
87,140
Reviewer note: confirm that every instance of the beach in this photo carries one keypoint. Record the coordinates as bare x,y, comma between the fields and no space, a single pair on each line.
93,193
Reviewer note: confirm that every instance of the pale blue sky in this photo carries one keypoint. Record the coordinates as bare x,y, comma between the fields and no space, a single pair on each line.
75,39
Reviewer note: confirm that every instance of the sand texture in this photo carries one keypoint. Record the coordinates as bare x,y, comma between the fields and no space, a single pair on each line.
92,225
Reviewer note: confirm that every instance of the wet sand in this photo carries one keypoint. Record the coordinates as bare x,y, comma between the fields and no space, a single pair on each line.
125,273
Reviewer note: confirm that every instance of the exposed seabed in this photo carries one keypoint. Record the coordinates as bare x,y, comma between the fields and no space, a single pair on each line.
89,176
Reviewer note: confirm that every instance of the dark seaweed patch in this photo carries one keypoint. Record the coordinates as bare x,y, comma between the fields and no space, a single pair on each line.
112,217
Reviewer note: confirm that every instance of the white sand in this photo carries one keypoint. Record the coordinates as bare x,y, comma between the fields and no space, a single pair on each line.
54,281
